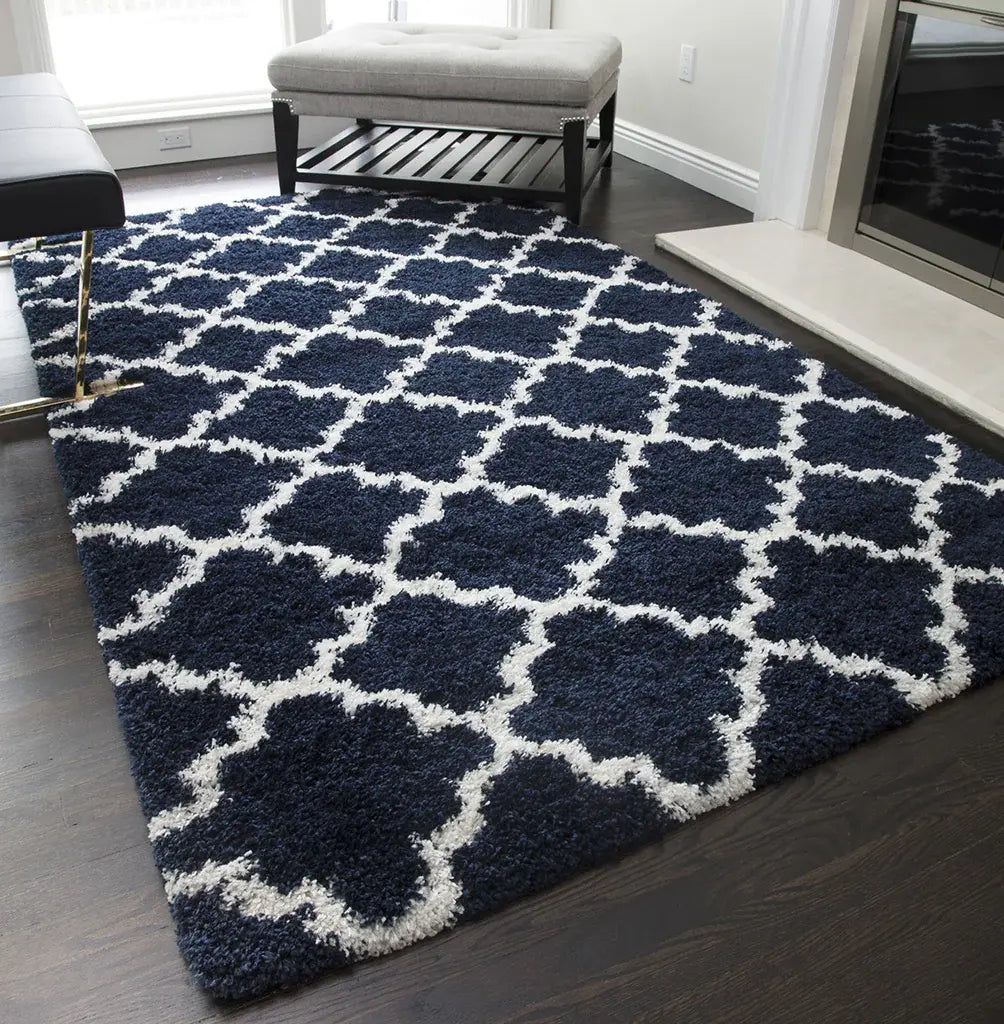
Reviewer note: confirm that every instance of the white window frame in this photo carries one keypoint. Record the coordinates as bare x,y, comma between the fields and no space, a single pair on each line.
302,19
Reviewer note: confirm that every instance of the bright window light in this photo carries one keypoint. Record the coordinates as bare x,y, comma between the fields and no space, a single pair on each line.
341,13
120,55
457,12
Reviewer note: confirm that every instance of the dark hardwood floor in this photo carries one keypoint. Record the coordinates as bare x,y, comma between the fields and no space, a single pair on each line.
865,890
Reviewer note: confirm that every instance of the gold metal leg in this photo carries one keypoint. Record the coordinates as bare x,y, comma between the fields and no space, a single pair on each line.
83,311
80,391
8,254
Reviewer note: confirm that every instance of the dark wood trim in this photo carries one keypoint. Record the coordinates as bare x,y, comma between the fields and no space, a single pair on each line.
503,167
574,155
532,169
608,117
287,131
476,167
450,161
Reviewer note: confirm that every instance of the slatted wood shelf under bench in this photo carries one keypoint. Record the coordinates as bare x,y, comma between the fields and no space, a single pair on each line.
467,162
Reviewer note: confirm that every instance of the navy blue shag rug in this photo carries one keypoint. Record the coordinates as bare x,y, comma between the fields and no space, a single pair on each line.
449,551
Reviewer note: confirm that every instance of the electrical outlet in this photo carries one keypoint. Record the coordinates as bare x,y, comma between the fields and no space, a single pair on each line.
688,57
176,138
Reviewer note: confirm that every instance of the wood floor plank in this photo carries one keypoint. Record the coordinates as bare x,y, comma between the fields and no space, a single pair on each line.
866,889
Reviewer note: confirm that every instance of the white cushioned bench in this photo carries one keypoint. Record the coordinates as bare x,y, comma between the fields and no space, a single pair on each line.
451,109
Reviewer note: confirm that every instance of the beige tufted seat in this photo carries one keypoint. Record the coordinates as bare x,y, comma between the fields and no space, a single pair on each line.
437,64
513,80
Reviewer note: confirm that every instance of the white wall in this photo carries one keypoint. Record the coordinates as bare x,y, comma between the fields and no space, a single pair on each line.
715,126
10,63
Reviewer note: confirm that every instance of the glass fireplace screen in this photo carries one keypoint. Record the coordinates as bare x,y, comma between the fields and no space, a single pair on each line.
935,185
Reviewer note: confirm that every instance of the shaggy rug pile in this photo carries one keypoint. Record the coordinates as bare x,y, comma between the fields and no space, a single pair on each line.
449,551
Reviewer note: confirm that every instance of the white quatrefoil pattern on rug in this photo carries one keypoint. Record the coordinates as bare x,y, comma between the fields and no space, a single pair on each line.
449,551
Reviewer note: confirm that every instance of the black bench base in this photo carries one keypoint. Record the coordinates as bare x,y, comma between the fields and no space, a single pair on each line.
449,161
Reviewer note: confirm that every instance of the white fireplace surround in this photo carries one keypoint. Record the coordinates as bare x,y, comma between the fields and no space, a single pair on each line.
799,153
937,343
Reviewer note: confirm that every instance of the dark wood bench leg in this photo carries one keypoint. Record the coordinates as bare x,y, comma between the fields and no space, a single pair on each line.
574,152
287,131
607,116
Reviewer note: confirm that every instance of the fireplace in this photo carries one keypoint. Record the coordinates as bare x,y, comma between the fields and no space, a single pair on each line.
922,180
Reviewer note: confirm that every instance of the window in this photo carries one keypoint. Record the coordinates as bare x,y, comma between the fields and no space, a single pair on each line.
339,13
142,55
443,12
457,12
141,60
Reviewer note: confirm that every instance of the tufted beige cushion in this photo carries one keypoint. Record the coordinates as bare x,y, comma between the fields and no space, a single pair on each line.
451,62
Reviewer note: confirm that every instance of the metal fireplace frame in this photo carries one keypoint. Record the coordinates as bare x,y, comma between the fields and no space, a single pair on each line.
867,107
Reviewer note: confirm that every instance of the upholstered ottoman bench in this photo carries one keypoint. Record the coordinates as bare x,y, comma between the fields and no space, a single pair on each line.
451,110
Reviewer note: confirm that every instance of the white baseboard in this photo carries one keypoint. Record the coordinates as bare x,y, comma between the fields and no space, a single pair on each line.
697,167
136,145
